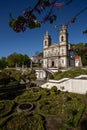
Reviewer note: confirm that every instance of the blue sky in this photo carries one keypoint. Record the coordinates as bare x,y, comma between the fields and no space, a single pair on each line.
31,40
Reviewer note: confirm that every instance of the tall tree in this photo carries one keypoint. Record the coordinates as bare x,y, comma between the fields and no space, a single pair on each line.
85,32
26,60
12,60
17,60
3,63
81,49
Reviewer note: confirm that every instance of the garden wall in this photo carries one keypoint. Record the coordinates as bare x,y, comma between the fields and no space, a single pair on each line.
70,85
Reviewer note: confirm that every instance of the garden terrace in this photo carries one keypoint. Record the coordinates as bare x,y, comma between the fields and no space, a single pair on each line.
53,110
28,96
70,73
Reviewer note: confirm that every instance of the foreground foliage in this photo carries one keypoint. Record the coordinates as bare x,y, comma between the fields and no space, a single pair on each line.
31,17
47,103
24,122
67,105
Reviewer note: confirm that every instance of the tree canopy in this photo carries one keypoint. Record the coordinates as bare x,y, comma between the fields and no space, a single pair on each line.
31,15
81,49
15,60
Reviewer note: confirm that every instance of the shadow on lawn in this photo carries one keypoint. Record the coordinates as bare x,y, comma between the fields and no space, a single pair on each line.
11,92
83,124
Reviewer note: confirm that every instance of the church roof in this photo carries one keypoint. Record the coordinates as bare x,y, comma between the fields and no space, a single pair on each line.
77,57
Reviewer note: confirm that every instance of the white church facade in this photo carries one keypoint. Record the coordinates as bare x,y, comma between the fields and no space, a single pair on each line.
57,55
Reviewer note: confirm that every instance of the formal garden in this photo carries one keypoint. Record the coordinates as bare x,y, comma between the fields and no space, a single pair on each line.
26,106
34,108
42,109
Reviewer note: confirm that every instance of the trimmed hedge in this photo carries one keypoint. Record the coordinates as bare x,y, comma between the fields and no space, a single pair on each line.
24,122
6,108
28,96
48,106
79,115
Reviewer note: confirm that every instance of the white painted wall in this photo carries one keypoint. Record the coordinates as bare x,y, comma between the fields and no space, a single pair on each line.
75,86
71,85
45,63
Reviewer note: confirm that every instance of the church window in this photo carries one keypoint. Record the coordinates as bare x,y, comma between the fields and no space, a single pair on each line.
52,49
62,51
49,53
44,53
62,61
62,39
58,53
45,43
45,62
52,63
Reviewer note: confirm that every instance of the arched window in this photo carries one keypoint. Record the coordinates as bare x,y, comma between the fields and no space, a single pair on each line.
45,43
52,63
62,61
62,39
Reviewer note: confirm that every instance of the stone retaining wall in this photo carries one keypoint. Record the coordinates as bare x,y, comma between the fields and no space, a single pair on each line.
71,85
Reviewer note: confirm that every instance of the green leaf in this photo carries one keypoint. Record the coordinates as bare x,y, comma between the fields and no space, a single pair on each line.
85,32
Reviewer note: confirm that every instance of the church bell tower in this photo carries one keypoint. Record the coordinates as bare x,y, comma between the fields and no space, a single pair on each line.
63,35
47,40
63,43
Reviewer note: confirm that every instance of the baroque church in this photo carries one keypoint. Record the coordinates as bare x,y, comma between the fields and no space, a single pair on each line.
57,55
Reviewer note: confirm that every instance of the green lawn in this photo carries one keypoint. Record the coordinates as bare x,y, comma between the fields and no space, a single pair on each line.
70,73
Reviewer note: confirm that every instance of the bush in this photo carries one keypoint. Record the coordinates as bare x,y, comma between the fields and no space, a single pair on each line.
54,89
79,115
